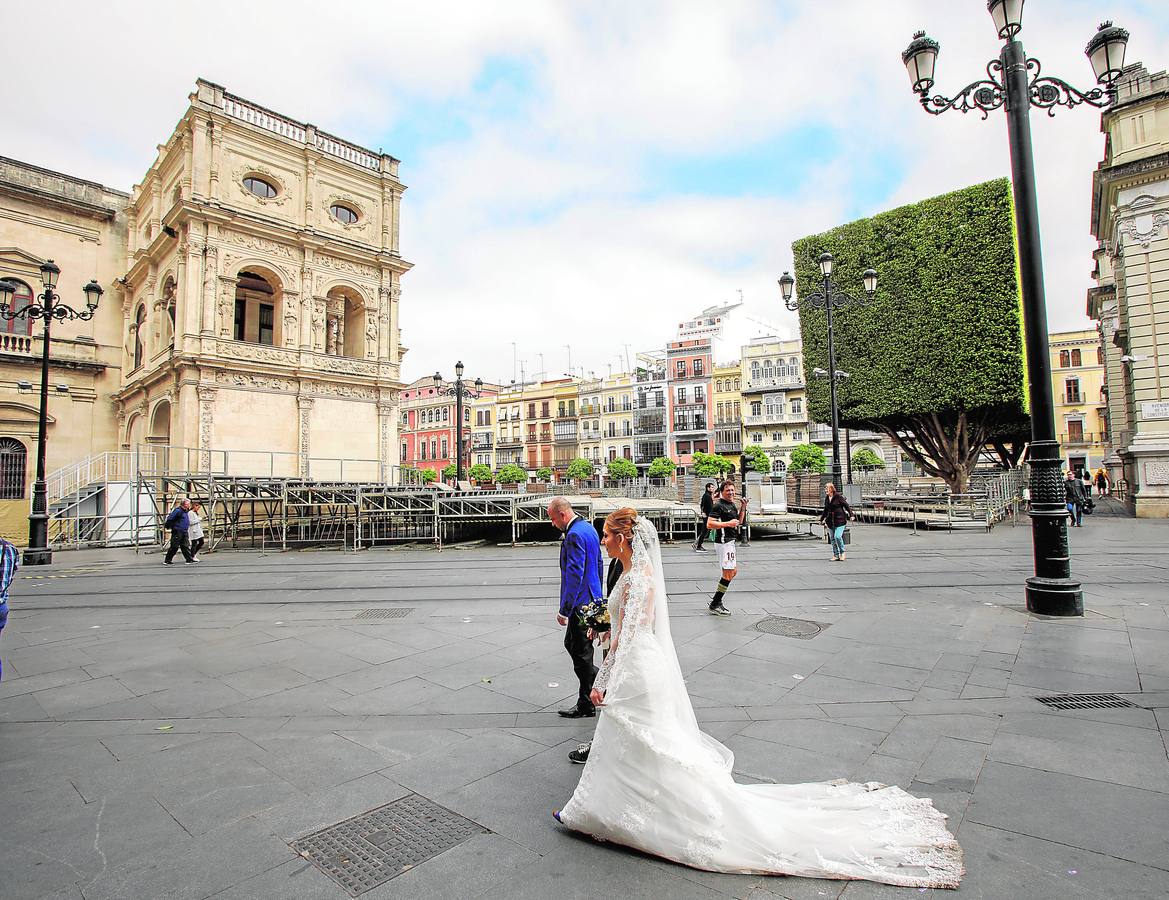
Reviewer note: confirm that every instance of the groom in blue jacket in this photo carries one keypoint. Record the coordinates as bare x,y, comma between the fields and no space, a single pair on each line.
580,585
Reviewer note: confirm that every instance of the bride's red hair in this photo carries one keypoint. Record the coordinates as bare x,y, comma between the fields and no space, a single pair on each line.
621,521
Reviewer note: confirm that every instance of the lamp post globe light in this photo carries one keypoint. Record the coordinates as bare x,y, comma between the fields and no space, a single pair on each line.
829,297
1014,82
460,392
48,308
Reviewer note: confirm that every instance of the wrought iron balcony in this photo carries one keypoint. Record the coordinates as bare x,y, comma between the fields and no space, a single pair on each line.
772,382
775,416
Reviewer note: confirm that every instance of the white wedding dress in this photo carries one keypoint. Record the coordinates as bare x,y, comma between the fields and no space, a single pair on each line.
655,782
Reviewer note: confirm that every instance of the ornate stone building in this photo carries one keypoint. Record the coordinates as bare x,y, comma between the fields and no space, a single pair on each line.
250,316
1130,219
261,295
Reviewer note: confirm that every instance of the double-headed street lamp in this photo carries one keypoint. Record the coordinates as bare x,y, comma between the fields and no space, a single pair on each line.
828,298
460,392
49,308
1014,83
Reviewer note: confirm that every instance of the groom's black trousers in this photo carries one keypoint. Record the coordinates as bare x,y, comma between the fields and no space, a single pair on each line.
580,648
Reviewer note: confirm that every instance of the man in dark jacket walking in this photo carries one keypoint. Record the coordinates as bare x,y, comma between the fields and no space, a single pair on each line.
1073,492
178,523
701,529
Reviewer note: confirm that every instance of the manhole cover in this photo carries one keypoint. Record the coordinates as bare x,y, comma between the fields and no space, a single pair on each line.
396,612
1086,701
785,627
368,850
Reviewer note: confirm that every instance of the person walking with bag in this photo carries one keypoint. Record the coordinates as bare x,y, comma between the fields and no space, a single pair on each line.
702,529
179,524
1073,493
195,531
835,518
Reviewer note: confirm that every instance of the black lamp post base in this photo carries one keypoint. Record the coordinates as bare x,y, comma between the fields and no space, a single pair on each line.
1054,597
40,556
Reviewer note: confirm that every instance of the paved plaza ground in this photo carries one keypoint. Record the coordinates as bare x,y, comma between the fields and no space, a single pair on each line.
165,733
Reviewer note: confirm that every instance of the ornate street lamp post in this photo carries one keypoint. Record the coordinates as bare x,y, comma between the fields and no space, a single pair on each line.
460,392
49,308
828,298
1014,82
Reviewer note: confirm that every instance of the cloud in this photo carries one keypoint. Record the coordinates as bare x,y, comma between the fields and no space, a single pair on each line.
585,174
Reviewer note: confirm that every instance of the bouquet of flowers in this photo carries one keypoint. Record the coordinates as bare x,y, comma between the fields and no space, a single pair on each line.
595,617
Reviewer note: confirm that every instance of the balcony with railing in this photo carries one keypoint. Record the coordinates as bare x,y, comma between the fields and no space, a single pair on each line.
482,441
773,415
823,433
1071,397
1083,438
772,382
590,409
20,344
727,440
509,442
689,424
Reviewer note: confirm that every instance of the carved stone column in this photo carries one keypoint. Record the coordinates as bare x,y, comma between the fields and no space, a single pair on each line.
304,406
371,331
206,425
384,301
306,309
318,324
207,298
290,307
216,151
387,413
226,305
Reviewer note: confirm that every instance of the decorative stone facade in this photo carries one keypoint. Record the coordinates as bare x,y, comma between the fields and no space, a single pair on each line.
251,333
277,245
1130,219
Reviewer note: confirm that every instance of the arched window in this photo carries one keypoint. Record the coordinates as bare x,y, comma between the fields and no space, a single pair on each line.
139,335
778,467
12,459
20,299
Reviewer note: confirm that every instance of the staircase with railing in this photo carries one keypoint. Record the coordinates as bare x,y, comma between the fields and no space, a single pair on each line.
96,501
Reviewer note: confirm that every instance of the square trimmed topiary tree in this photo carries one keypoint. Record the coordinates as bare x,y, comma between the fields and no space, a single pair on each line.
937,360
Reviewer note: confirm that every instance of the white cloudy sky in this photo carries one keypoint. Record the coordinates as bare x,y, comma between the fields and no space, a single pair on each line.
584,174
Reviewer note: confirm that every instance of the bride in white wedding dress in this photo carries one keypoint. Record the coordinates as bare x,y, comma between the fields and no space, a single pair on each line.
655,782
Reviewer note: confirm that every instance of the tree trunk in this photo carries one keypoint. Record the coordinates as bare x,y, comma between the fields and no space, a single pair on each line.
945,445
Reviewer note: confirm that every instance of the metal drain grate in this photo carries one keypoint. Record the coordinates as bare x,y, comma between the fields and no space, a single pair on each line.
1086,701
368,850
396,612
785,627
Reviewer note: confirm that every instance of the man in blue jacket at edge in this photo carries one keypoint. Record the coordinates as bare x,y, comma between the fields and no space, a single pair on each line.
580,585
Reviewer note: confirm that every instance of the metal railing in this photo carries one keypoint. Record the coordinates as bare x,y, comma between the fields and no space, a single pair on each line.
765,382
775,417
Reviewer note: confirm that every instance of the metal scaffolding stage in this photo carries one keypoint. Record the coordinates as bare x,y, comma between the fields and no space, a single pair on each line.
289,513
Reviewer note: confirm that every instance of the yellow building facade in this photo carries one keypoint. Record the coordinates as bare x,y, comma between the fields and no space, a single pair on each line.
726,392
775,405
1081,402
617,417
80,225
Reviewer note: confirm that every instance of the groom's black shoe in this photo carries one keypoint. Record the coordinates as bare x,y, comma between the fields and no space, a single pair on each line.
578,712
580,755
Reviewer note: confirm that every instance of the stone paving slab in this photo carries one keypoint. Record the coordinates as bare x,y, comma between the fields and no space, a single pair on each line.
160,743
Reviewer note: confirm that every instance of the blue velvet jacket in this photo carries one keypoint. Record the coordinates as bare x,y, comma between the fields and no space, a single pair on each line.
580,567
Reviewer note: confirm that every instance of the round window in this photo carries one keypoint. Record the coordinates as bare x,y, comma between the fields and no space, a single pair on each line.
343,214
260,187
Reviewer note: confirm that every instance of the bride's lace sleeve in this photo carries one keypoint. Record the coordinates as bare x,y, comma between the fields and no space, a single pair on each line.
635,613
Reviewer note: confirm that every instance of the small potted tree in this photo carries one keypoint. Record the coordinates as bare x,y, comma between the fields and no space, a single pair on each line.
542,476
510,476
450,472
580,469
428,476
622,469
482,475
661,467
